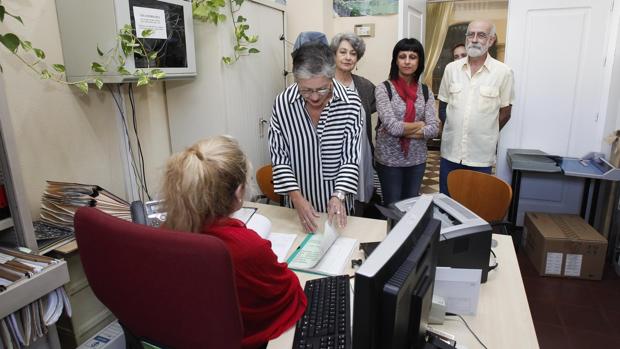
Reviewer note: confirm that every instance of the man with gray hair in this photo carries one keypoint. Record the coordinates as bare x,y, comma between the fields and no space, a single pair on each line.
479,92
314,139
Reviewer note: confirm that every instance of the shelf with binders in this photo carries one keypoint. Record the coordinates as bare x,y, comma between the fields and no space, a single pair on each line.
28,289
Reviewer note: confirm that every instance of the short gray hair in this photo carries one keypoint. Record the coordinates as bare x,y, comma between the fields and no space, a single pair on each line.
313,60
358,44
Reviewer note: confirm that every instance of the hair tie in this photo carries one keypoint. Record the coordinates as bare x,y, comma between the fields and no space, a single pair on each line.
198,154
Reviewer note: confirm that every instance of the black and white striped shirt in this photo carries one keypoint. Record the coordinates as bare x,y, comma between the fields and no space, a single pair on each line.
318,160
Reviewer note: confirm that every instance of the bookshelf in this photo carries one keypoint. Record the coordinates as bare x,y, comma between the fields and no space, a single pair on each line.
19,218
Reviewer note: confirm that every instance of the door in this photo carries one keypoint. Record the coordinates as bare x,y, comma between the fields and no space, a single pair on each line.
412,19
231,99
557,51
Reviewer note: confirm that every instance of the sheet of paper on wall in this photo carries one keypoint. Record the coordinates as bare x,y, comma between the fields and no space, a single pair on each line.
460,288
323,252
150,19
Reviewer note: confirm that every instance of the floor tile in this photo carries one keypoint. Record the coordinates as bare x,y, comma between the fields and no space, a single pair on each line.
541,288
550,336
583,318
583,339
544,312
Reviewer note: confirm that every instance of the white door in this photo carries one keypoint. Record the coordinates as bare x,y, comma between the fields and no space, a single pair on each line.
556,49
412,19
231,99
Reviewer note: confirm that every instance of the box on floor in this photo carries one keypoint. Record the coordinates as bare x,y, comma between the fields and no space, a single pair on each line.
564,245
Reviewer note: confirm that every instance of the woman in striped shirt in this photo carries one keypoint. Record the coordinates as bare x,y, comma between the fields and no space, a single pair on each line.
314,139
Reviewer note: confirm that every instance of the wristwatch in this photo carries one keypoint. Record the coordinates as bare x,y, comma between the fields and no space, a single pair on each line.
338,194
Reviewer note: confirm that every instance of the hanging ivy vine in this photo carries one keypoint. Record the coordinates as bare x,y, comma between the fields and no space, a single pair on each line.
127,44
211,11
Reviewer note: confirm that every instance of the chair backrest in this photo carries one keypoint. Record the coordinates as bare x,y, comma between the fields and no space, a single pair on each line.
175,289
486,195
264,178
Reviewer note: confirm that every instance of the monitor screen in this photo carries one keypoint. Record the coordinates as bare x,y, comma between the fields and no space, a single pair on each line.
394,286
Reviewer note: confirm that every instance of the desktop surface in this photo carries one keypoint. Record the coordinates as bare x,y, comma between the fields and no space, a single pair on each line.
503,319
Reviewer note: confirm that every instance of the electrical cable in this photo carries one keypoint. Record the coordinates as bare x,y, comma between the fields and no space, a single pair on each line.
126,129
469,328
140,153
494,266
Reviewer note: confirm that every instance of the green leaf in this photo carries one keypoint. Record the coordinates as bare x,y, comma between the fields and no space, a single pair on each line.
1,69
221,17
147,32
238,2
143,80
158,74
252,39
227,60
39,53
45,74
18,18
121,60
97,68
152,55
241,19
59,68
254,50
2,11
123,71
99,52
10,41
98,82
83,86
26,45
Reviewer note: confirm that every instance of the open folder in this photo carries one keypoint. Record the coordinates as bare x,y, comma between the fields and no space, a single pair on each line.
325,253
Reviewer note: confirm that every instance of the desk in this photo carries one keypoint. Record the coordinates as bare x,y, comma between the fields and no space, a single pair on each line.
503,319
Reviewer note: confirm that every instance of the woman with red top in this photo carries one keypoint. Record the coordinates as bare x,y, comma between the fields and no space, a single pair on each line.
407,119
202,186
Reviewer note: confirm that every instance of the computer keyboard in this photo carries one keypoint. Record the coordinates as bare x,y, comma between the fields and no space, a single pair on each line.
326,322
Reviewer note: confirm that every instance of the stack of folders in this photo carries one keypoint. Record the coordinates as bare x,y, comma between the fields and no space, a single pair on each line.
28,324
60,201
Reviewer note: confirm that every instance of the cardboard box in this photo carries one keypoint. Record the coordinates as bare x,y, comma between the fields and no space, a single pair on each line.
564,245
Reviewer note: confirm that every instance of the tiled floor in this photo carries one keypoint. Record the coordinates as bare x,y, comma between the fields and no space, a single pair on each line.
571,313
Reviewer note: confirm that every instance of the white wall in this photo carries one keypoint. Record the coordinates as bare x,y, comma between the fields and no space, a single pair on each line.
375,65
62,134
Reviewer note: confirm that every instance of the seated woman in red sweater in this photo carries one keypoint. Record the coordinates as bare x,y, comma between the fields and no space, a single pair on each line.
202,186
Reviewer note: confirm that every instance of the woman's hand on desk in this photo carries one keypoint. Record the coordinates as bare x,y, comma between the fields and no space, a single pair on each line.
336,213
307,214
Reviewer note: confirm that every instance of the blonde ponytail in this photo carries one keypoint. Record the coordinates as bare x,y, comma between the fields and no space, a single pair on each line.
200,183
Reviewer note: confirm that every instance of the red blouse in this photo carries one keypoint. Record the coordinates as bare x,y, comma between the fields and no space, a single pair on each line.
271,299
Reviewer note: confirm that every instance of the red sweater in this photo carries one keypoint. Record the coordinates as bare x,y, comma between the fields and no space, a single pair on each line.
270,297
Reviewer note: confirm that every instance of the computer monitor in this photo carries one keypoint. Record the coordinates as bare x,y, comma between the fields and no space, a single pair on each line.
394,286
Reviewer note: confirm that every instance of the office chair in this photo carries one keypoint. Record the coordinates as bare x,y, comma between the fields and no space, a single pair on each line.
264,178
486,195
170,289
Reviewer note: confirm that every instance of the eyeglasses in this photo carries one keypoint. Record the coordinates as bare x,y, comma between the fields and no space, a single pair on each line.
481,35
307,92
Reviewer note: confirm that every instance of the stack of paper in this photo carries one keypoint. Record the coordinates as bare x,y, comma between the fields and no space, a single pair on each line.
24,326
60,201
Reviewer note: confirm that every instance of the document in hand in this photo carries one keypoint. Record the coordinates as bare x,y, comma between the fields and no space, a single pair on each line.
280,243
325,253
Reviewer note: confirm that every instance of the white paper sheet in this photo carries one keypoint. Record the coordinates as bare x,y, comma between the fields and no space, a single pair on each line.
152,19
260,224
281,243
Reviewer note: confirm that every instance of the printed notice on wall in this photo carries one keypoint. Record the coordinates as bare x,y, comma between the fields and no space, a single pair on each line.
554,263
573,265
150,18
